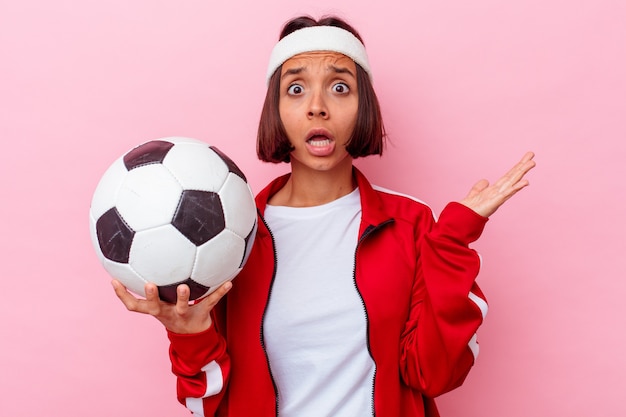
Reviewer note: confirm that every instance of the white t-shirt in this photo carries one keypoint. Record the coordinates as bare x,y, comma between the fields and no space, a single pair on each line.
315,328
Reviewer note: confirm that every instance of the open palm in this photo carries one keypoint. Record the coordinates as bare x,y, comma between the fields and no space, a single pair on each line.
485,198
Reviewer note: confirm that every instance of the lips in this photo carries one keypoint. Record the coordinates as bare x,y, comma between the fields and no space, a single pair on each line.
320,142
319,137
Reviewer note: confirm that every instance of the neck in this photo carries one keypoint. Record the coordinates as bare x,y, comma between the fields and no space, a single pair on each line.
307,188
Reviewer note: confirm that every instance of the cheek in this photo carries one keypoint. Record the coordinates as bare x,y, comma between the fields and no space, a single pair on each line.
289,117
286,120
350,121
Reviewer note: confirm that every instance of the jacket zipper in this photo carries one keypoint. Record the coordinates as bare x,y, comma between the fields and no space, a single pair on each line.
267,359
368,231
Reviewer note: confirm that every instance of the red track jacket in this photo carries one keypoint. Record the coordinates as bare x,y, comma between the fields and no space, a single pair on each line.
416,279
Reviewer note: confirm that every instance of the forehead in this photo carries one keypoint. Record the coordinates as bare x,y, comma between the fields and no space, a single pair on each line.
317,59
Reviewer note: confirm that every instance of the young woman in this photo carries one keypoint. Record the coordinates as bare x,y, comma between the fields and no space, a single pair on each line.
354,300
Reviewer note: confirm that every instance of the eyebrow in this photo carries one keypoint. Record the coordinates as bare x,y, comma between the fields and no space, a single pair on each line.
338,70
342,70
292,71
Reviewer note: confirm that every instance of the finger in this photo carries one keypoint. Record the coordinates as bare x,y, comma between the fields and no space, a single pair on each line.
152,303
526,163
511,191
222,290
212,299
527,157
130,302
152,293
511,179
182,299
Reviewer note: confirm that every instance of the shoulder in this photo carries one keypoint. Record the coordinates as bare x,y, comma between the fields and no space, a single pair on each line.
406,210
400,198
380,204
398,201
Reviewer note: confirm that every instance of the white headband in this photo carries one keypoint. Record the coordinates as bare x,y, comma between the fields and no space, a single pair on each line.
318,38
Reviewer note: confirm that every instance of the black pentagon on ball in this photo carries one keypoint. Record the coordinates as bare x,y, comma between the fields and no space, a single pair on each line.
152,152
168,292
114,236
232,167
249,241
199,216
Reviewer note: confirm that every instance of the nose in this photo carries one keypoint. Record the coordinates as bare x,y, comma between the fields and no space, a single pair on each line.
317,106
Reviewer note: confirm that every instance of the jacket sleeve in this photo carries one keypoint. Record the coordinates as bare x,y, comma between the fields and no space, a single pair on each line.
438,344
201,365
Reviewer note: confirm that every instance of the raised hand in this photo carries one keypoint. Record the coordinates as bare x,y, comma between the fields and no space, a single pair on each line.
485,199
182,317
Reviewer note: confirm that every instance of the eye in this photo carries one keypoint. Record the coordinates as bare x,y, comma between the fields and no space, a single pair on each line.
341,88
295,89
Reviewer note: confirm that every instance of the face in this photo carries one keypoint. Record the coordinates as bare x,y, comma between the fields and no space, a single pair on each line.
318,108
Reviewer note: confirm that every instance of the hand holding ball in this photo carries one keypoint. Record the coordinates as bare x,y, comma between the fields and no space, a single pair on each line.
173,211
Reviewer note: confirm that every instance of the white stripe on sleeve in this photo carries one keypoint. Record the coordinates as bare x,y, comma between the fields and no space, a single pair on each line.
473,345
214,379
214,384
195,406
482,304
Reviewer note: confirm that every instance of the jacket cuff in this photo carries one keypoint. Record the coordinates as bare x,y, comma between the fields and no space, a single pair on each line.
191,345
461,222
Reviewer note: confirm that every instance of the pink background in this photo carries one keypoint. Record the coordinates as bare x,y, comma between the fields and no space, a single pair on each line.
466,89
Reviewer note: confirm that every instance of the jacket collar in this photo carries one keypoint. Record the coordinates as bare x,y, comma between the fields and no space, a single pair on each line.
373,210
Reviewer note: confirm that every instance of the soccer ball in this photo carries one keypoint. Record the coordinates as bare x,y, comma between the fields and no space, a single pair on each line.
173,211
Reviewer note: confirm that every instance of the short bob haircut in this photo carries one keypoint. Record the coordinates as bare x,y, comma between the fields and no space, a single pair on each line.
368,137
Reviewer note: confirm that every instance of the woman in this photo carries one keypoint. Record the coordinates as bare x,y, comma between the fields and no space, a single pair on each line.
354,300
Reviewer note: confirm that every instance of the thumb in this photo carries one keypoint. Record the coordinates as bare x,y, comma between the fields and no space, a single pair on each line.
478,188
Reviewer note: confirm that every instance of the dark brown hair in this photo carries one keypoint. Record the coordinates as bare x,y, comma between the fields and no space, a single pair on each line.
369,133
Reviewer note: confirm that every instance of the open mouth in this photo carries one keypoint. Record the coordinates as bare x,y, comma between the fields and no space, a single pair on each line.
319,137
318,140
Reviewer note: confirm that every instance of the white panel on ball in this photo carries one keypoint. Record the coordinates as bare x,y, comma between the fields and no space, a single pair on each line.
219,258
148,197
162,255
126,275
108,187
196,167
239,208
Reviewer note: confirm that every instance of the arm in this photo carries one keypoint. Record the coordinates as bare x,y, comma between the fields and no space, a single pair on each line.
202,366
197,352
439,341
